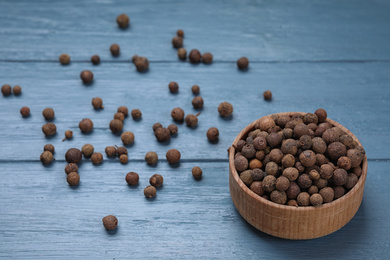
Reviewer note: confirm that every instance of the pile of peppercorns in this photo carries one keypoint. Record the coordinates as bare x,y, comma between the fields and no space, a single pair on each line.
299,160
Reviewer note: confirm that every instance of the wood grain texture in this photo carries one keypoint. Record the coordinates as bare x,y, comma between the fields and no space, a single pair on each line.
262,30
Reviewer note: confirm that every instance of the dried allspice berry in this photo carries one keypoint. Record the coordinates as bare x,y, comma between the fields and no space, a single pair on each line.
127,138
25,111
180,33
173,129
225,109
136,114
119,116
197,102
95,59
212,134
241,163
197,173
6,90
132,178
141,63
87,150
110,222
327,194
73,155
86,125
173,156
344,162
278,197
110,151
124,110
46,157
48,113
123,159
116,126
150,191
195,89
173,87
97,103
49,147
156,180
182,53
162,134
194,56
177,42
207,58
267,95
71,167
73,179
121,150
86,76
321,115
17,90
177,114
192,120
49,129
242,63
97,158
123,21
151,158
68,135
64,59
115,50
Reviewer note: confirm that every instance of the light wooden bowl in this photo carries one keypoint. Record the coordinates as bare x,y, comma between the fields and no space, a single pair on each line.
293,222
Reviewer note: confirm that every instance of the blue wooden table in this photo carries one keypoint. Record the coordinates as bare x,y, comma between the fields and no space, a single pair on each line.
310,54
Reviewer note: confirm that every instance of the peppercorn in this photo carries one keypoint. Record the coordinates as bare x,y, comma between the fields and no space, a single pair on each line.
299,167
336,150
97,103
141,63
177,114
123,21
293,190
115,50
267,95
248,151
355,156
156,180
239,145
357,171
327,194
173,87
339,191
300,130
49,129
132,178
292,203
96,158
257,187
207,58
48,113
344,162
173,156
71,167
150,191
265,123
321,114
303,199
173,129
348,141
282,183
73,155
195,89
307,158
278,197
340,177
291,173
86,76
162,134
318,145
305,142
123,110
314,175
326,171
255,164
260,143
116,126
246,177
182,53
180,33
49,147
271,168
225,109
269,183
64,59
192,120
17,90
136,114
242,63
119,116
110,151
330,136
177,42
6,90
321,159
241,163
95,59
288,161
156,126
110,222
276,155
46,157
73,179
87,150
151,158
127,138
274,140
321,183
68,135
313,189
86,125
197,102
121,150
194,56
351,181
257,174
25,111
197,173
304,181
123,159
316,200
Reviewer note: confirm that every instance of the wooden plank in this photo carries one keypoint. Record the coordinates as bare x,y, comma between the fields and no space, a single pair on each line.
262,30
354,94
42,217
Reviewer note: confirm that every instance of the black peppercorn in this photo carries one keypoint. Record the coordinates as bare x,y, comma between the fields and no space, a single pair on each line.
173,87
110,222
48,113
64,59
86,125
225,109
182,53
177,42
123,21
73,155
207,58
132,178
267,95
212,134
25,111
242,63
49,129
116,126
151,158
173,156
197,102
86,76
197,173
194,56
115,50
95,59
177,114
97,103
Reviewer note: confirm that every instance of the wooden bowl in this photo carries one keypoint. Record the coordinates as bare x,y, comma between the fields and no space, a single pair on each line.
293,222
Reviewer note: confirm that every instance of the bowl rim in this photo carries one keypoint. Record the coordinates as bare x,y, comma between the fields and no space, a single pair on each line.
262,200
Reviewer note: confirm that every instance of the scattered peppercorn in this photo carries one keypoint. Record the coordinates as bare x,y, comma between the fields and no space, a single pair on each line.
132,178
119,116
195,89
110,151
73,155
173,129
71,167
97,103
46,157
86,125
156,180
124,110
64,59
162,134
173,156
110,222
6,90
180,33
156,125
121,150
173,87
87,150
150,191
95,59
151,158
86,76
115,50
197,102
177,114
182,53
177,42
49,129
73,179
127,138
48,113
194,56
212,134
242,63
192,120
49,147
17,90
123,159
225,109
68,135
197,173
123,21
267,95
25,111
96,158
136,114
207,58
116,126
141,63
